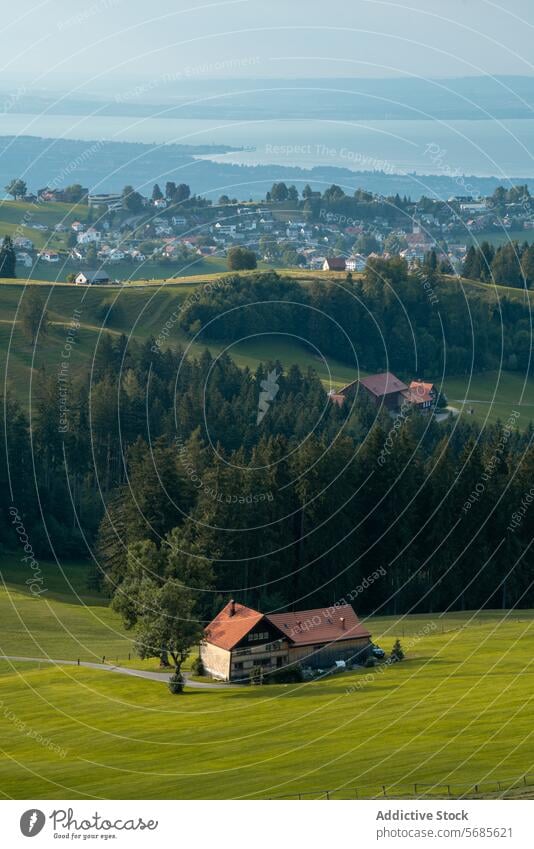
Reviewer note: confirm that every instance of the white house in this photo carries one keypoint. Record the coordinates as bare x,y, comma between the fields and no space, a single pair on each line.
49,256
89,278
225,229
25,259
23,243
116,255
356,263
90,235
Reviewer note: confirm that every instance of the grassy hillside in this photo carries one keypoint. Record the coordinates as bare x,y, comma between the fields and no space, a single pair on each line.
66,622
458,711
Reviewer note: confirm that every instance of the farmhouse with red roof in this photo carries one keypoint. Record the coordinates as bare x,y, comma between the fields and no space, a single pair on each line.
386,390
383,389
240,639
422,395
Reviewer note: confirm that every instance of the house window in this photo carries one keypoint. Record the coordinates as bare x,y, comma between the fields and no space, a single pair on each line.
258,635
238,666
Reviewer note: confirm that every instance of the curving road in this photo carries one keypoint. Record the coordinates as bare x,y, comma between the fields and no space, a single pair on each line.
122,670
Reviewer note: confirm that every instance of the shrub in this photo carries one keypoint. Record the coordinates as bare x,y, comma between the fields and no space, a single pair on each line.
197,667
176,683
286,675
397,652
256,675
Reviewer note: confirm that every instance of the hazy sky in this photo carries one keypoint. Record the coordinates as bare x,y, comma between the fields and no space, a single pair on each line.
100,42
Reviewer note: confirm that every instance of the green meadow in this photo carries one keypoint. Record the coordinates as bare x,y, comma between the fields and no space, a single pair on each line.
66,622
457,711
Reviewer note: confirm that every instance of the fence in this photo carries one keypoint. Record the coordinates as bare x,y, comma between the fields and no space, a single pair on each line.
420,790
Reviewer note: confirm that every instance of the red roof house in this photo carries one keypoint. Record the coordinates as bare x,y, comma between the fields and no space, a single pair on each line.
421,395
240,639
384,389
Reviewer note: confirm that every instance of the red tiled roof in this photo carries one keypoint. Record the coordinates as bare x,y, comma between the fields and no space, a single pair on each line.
307,627
420,392
383,384
227,631
421,386
414,397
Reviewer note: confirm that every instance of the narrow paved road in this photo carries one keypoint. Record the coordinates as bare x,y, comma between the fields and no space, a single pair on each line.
104,667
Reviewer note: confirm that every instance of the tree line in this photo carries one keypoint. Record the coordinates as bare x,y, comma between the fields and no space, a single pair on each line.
511,264
181,499
413,323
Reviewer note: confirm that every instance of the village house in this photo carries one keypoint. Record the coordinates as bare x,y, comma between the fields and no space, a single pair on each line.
49,256
24,259
387,390
23,243
422,395
89,278
90,235
112,201
334,263
224,229
383,389
356,263
240,639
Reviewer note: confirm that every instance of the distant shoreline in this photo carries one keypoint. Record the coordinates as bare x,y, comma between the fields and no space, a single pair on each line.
110,165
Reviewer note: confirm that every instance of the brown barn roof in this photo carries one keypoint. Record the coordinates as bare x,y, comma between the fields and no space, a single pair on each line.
307,627
383,384
336,263
227,630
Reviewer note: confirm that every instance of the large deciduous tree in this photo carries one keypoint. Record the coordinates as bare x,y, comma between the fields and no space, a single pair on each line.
16,188
34,316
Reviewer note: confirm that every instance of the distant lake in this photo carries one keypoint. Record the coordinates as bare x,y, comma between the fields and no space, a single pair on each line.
482,148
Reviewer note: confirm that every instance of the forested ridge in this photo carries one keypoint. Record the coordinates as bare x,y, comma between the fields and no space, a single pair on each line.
164,463
413,323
